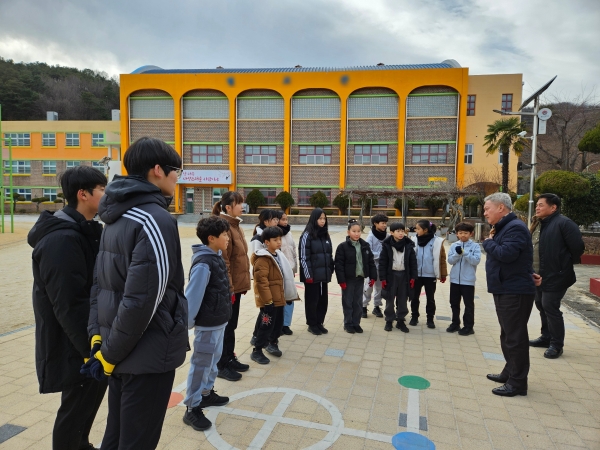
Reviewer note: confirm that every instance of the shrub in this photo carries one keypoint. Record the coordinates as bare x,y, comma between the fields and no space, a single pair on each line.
331,212
513,196
39,200
563,183
584,210
433,204
390,213
285,200
355,212
416,214
319,200
341,202
522,204
410,201
255,199
295,212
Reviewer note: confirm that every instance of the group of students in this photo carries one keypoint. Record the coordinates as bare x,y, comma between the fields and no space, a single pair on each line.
111,310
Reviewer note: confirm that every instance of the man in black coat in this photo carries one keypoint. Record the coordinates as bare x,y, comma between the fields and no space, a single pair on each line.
65,245
137,305
557,245
510,278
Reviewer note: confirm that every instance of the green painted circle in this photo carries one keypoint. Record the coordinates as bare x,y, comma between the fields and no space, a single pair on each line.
414,382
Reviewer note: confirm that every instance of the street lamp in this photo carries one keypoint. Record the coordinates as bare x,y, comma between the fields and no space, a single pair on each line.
536,105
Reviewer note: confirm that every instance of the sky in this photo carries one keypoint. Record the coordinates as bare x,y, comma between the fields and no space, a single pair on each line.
538,38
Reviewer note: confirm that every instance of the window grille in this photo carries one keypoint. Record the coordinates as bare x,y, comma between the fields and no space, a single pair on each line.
260,154
18,139
430,154
50,194
432,105
97,139
468,153
314,154
152,109
257,108
370,154
315,108
372,107
205,109
207,154
48,139
18,167
72,139
49,167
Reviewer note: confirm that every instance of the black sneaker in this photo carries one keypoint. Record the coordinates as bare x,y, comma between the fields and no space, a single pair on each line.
377,312
364,313
258,356
286,331
349,329
388,325
213,399
229,374
253,340
402,326
453,327
238,366
358,328
315,330
273,349
323,329
465,331
430,324
195,418
413,322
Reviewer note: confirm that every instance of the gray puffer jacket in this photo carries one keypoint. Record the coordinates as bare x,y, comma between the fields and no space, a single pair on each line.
137,303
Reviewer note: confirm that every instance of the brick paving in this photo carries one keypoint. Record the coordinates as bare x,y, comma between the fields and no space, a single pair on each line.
561,411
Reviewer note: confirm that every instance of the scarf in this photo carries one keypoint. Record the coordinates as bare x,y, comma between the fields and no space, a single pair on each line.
381,235
285,229
424,239
322,232
399,245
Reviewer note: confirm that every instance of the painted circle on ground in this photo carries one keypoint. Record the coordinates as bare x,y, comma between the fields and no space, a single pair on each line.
411,441
175,399
414,382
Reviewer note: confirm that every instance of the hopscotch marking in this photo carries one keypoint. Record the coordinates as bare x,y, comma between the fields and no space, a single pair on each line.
334,431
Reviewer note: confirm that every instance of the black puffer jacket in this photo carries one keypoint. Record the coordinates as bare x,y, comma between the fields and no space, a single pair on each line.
316,258
386,262
560,246
345,261
65,246
137,301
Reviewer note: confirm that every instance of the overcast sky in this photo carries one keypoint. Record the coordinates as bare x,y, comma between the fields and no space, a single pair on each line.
539,38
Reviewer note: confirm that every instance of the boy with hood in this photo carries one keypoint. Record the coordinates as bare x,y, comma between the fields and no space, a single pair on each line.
65,245
137,305
375,241
209,302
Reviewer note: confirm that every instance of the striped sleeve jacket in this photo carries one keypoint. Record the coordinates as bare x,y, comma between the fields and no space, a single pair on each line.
137,300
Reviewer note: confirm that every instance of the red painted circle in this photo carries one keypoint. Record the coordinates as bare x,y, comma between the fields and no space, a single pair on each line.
175,399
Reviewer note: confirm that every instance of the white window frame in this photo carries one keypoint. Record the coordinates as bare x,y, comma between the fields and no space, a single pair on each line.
97,138
204,155
19,167
19,139
370,158
49,167
500,158
50,193
48,139
314,154
468,153
71,139
100,167
71,164
24,192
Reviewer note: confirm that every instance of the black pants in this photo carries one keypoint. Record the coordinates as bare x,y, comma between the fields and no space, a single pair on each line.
315,303
352,301
229,337
398,298
468,296
78,407
513,314
137,405
553,325
429,284
271,323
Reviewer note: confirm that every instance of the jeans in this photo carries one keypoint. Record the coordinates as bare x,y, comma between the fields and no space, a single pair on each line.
288,312
208,346
553,325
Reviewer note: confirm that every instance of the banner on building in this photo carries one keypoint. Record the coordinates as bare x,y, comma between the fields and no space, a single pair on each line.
209,177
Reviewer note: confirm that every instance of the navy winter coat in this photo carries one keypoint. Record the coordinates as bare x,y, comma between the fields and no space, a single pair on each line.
316,258
509,263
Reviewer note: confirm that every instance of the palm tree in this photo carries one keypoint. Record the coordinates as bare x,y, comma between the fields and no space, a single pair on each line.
502,136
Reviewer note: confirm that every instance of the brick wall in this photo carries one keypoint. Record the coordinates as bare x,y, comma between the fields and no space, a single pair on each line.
205,131
315,175
419,175
316,131
159,129
373,91
316,91
259,93
260,175
365,176
424,130
432,90
260,130
379,130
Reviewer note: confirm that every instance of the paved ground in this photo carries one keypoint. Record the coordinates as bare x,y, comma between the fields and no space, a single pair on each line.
340,390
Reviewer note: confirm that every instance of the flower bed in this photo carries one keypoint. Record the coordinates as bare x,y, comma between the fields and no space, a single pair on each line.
591,254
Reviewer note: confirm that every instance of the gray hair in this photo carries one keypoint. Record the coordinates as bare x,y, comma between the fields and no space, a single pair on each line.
500,198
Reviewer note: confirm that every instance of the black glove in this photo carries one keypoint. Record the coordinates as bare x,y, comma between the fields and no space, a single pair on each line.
97,367
288,303
459,249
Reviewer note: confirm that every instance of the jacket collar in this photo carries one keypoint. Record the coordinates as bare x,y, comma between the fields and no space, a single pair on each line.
504,221
231,219
550,218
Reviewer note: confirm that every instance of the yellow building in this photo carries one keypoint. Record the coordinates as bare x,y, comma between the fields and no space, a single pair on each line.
308,129
43,149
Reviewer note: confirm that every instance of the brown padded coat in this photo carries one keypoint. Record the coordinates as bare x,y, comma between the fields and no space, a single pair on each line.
268,281
236,256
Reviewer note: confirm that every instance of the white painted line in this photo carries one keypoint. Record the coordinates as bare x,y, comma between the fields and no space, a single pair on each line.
412,411
266,430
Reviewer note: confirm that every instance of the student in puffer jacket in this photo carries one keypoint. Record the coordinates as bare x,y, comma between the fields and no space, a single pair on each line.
464,257
288,248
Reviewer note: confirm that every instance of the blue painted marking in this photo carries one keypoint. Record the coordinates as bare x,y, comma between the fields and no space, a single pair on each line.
493,356
17,330
411,441
334,352
344,79
9,430
287,80
443,318
230,81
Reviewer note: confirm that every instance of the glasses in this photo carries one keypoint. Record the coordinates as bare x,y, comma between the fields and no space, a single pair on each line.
178,170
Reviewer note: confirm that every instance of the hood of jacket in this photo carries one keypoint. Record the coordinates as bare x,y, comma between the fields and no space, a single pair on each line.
126,192
203,250
48,223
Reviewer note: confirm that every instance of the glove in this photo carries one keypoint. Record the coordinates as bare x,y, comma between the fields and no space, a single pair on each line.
96,343
412,283
443,280
288,303
97,367
383,284
459,249
371,283
309,281
343,286
232,299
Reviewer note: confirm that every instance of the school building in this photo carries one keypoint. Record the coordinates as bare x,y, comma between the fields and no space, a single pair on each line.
41,150
307,129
